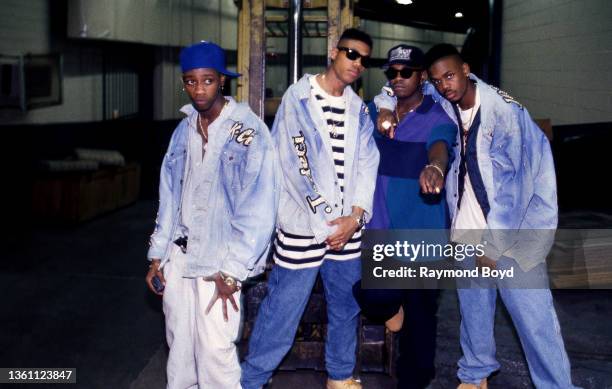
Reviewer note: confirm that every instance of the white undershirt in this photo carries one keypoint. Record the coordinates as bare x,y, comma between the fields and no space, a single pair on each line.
469,215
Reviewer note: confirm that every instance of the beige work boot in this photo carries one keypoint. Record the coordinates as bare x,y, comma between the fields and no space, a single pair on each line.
349,383
482,385
395,323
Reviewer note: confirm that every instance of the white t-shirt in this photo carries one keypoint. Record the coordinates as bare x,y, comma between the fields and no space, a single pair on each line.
469,215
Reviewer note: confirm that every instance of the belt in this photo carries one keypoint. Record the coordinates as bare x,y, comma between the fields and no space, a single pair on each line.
182,243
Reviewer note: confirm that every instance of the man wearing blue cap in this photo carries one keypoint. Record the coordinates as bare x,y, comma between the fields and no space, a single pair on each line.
217,206
329,160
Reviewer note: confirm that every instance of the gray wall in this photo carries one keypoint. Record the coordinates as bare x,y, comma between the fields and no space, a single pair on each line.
25,27
557,56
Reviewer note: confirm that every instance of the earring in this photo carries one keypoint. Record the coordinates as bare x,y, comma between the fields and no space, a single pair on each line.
183,89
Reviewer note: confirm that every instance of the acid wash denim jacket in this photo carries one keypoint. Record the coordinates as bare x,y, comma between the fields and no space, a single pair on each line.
311,196
234,220
511,166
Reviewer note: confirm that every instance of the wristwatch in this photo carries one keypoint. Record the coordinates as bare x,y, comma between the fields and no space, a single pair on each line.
360,220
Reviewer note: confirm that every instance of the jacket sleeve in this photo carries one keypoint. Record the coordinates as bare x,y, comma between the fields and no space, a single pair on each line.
160,238
385,99
253,220
367,165
519,153
287,134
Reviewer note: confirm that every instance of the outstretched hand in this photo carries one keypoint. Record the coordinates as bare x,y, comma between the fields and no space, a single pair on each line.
224,293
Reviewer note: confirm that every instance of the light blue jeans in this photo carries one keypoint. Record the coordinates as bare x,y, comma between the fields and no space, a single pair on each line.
534,318
280,313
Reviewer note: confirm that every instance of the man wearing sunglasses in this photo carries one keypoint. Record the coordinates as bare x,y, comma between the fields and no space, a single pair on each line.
415,150
502,193
329,160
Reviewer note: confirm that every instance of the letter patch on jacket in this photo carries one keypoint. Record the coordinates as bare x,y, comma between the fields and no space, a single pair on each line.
506,97
243,137
299,142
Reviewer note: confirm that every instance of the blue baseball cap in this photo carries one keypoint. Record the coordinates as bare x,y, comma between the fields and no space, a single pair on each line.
205,55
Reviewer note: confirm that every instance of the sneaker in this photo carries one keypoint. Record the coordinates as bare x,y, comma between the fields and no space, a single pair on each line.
482,385
349,383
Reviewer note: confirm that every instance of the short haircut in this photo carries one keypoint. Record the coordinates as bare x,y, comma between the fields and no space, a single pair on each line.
357,35
440,51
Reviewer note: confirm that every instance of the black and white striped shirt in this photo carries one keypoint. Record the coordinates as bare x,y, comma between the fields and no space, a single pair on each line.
333,108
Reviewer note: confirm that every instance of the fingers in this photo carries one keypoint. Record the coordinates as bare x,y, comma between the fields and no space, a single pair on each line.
224,309
233,302
213,299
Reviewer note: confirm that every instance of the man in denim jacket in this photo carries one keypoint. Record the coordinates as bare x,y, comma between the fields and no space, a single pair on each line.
218,197
501,193
329,160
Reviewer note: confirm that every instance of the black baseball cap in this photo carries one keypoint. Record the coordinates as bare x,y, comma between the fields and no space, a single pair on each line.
410,56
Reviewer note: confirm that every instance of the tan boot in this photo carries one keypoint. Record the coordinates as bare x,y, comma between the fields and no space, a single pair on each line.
482,385
395,323
349,383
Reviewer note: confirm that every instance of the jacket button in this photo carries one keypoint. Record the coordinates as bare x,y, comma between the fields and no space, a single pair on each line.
336,205
455,171
455,194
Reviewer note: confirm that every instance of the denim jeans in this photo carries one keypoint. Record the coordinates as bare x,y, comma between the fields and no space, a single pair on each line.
535,321
280,312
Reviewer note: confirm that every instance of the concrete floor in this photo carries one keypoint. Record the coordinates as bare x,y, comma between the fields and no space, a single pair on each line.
75,297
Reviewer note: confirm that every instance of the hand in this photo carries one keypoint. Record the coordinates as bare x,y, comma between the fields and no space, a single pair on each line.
486,262
431,180
154,271
384,115
347,225
223,292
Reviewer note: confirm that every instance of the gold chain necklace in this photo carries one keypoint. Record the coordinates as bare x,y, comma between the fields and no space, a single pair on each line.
333,131
465,126
201,126
397,116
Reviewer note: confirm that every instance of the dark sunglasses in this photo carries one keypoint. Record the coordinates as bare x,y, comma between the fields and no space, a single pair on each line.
354,55
404,73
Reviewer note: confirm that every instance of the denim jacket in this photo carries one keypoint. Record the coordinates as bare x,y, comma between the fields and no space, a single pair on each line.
234,219
513,162
311,195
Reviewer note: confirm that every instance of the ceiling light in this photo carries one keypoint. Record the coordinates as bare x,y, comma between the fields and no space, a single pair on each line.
458,15
404,2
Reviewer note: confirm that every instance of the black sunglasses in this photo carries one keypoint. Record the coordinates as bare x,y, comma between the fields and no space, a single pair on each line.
354,55
404,73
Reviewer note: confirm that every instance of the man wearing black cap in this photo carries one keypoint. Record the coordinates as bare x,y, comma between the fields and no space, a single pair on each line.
414,153
501,192
218,199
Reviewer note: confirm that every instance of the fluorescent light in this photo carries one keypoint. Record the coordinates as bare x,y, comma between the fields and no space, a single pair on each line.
458,15
404,2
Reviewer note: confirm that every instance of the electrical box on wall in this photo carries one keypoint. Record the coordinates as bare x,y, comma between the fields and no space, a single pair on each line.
30,81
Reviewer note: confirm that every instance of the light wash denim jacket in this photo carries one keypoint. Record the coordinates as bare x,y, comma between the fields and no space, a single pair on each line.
515,163
234,220
311,195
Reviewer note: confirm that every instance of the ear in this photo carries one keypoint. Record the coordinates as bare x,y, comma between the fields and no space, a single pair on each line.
423,76
222,78
466,69
334,53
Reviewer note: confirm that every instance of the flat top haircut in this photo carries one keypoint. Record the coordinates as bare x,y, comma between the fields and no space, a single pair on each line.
439,51
358,35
